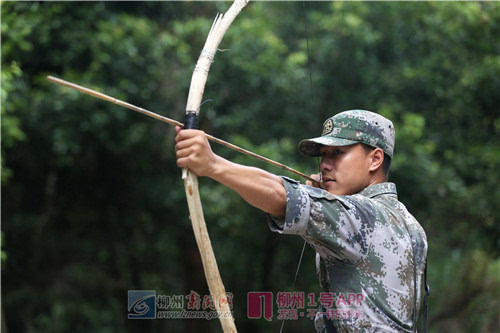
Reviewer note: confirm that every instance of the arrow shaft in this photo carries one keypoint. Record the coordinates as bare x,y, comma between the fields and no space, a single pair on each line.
170,121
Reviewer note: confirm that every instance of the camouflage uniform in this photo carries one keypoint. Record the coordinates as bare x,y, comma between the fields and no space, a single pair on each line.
363,246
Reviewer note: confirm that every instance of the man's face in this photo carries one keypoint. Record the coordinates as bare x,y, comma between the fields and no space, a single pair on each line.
345,170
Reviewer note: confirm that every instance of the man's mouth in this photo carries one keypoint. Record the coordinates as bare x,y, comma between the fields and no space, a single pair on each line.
328,180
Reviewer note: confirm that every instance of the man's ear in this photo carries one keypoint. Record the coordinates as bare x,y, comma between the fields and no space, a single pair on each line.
377,158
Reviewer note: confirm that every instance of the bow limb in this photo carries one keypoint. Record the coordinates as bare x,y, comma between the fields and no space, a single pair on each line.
195,95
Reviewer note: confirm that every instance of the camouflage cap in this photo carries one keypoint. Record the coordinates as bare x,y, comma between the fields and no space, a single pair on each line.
351,127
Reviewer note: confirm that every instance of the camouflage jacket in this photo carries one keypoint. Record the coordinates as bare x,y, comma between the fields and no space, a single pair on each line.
365,253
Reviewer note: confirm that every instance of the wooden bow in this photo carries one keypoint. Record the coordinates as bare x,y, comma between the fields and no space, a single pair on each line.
198,81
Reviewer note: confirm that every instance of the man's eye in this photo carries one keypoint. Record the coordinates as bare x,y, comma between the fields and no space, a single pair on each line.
338,151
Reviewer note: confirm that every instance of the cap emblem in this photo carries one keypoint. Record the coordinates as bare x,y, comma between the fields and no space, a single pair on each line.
327,127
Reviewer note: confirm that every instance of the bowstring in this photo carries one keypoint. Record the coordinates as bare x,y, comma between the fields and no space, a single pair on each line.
295,279
312,102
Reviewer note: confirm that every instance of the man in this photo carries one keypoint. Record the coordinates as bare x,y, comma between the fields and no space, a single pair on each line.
370,251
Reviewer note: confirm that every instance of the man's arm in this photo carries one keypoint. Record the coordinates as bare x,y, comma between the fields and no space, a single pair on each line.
259,188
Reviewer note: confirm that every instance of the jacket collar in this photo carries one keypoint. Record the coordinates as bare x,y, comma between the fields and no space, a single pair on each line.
379,189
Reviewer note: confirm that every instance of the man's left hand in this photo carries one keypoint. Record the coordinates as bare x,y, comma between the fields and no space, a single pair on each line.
194,152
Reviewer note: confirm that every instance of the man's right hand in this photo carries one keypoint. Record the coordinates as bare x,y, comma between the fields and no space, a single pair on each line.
317,177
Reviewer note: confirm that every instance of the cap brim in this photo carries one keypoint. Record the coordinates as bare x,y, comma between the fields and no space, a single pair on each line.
311,147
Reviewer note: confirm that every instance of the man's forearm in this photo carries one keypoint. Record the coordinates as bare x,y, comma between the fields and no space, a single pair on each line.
259,188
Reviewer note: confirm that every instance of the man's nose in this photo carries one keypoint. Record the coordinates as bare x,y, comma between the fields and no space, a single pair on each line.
326,164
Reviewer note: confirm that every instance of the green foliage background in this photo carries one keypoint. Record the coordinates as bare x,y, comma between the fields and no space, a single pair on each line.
92,201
